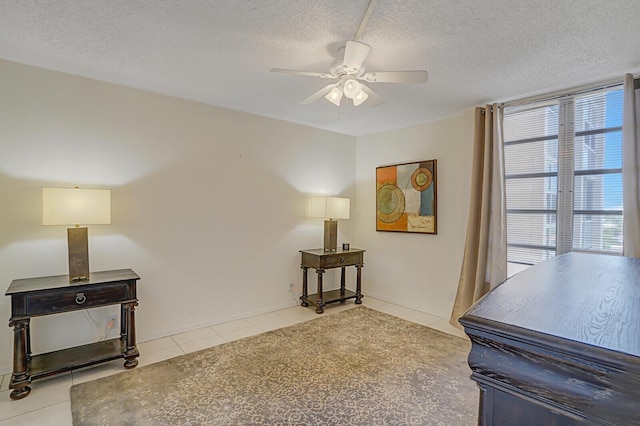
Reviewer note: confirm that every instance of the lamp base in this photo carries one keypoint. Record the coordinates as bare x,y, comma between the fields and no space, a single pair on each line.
78,242
330,235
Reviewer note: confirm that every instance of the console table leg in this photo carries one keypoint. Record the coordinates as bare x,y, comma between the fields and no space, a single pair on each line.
305,293
20,377
123,322
132,352
320,303
28,332
359,285
342,283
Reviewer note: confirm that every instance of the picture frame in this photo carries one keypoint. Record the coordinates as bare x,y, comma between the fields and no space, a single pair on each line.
406,197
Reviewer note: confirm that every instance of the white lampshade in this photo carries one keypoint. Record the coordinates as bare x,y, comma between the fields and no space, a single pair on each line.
334,96
330,207
352,88
75,206
360,98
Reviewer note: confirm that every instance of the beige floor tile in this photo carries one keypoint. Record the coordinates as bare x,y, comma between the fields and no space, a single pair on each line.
156,345
158,356
291,310
418,317
274,324
193,335
202,344
54,415
392,309
241,333
44,393
230,326
371,302
297,314
444,326
263,318
303,319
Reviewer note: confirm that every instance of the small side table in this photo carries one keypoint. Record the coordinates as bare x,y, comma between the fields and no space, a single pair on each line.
321,260
34,297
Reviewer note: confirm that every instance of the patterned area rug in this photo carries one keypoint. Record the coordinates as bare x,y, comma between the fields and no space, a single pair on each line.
355,367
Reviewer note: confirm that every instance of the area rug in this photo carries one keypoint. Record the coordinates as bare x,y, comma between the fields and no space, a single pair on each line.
355,367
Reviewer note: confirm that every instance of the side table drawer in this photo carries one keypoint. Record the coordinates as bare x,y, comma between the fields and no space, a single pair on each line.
342,259
77,298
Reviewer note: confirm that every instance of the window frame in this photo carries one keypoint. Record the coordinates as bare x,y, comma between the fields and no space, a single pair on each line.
566,174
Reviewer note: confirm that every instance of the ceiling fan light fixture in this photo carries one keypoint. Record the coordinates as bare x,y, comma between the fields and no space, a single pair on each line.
352,88
334,96
349,71
360,98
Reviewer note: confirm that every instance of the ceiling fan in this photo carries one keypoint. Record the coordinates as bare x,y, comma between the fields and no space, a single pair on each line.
350,74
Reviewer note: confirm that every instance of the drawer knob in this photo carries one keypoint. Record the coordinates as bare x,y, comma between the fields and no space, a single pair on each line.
342,259
80,298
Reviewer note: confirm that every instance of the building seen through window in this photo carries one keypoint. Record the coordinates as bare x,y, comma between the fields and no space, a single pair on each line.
563,166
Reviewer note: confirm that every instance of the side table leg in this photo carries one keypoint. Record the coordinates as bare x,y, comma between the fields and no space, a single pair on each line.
20,378
359,285
342,284
28,332
123,322
131,353
303,298
320,303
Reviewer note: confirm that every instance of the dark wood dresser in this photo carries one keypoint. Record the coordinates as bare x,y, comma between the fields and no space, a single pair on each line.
559,344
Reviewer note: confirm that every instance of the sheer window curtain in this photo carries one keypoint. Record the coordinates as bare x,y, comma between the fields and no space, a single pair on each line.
631,167
485,253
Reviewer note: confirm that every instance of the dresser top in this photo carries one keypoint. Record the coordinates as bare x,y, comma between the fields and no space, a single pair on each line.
62,281
322,252
586,298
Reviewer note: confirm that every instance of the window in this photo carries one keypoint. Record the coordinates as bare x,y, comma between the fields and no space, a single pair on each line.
563,166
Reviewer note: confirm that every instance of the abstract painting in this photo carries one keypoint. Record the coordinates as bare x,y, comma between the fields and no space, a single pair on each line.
406,197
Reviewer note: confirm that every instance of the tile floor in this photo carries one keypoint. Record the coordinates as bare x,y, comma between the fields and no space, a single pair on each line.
49,402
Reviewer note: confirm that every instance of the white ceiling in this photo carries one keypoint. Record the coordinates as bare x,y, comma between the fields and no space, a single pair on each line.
220,51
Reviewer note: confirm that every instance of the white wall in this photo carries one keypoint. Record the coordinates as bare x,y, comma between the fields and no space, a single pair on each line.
208,204
417,270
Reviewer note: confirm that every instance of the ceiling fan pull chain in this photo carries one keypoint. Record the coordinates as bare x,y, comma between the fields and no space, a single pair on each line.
365,19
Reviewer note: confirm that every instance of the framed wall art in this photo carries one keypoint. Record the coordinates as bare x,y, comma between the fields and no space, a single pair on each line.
406,197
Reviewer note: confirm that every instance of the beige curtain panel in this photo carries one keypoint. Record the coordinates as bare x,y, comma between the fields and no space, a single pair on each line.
485,253
631,167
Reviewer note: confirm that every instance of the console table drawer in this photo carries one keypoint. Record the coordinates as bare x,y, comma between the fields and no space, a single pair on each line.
320,259
342,259
78,298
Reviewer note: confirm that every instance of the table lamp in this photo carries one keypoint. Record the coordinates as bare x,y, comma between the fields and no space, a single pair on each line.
75,206
330,208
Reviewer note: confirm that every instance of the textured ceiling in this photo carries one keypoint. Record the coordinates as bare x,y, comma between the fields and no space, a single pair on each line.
220,51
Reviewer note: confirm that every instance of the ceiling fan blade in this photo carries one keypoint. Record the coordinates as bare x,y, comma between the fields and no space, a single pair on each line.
320,93
420,76
307,73
373,99
354,55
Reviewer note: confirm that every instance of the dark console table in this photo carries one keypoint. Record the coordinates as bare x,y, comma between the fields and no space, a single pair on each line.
321,260
51,295
559,344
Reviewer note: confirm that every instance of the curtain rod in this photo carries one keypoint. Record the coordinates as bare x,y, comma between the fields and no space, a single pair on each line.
560,93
